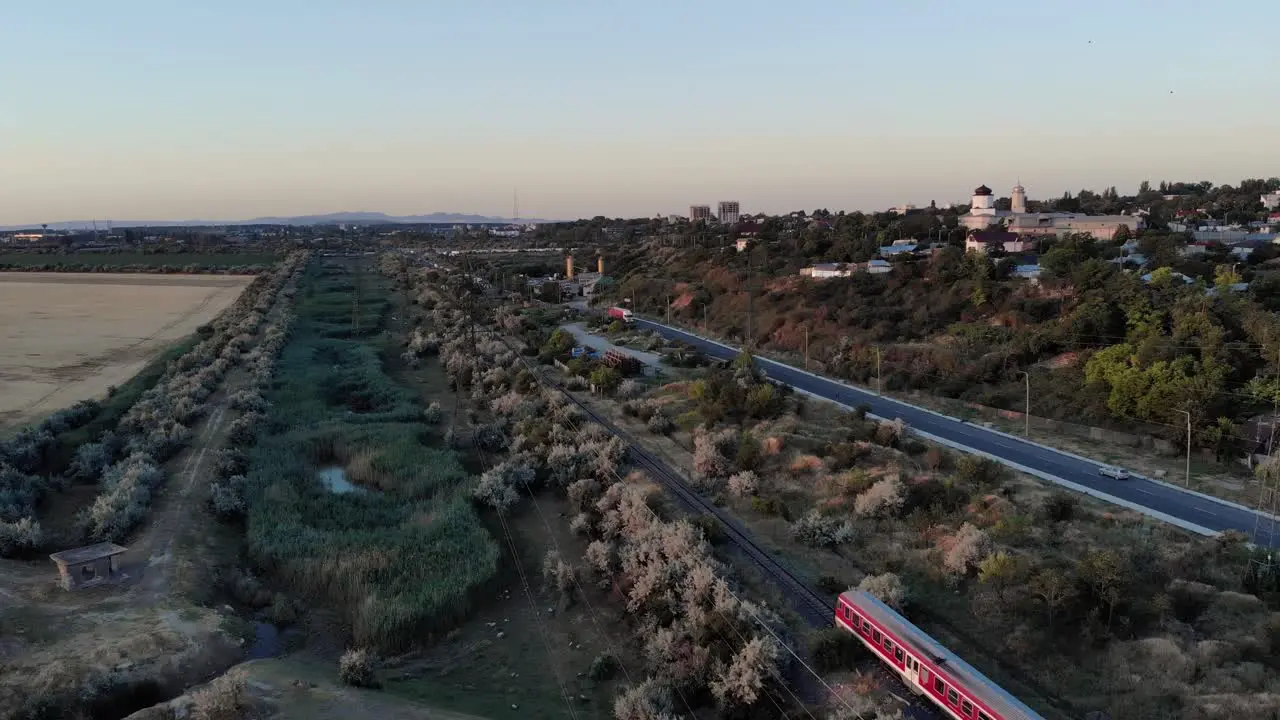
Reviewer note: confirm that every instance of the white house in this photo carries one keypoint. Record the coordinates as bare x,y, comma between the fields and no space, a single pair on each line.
878,267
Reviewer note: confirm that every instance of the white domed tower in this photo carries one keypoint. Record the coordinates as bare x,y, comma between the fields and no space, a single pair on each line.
1018,202
984,203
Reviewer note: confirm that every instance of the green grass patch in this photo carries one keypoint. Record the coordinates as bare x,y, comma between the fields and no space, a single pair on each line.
403,563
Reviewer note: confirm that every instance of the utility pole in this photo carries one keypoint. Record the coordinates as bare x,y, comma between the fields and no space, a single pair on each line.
750,303
1188,414
878,371
1026,415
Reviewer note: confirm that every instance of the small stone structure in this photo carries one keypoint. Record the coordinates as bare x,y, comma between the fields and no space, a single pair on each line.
88,566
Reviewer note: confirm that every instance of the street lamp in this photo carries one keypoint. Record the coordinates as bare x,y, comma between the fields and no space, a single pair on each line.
1188,414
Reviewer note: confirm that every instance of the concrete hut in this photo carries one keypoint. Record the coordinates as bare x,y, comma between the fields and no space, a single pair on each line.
88,566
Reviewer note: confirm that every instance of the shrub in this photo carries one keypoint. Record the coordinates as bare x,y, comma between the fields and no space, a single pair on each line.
230,461
433,414
659,424
831,584
282,611
1059,507
771,506
709,459
603,667
558,573
226,497
19,536
817,530
741,683
650,700
748,453
884,499
630,389
743,484
980,472
357,667
890,432
887,588
935,458
491,438
967,547
834,649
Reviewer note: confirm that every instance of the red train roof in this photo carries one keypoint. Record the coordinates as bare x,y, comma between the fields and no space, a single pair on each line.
940,660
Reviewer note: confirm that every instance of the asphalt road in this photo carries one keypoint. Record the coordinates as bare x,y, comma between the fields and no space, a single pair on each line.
1149,497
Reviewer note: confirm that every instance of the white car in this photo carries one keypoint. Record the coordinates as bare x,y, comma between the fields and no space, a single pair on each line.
1114,473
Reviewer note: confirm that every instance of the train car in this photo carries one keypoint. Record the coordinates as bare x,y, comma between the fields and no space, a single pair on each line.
926,667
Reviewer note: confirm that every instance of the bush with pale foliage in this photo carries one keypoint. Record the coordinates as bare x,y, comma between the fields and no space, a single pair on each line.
887,588
817,530
358,667
710,456
743,680
884,499
558,573
743,484
650,700
965,550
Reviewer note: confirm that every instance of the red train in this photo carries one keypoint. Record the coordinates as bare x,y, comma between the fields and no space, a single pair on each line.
927,667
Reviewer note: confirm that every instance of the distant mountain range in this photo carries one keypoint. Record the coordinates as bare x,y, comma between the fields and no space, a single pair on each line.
356,218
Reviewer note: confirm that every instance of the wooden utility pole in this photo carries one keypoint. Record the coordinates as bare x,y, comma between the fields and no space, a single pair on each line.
878,392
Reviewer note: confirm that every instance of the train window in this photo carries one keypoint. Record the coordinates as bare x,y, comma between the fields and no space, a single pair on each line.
966,707
876,635
939,686
898,654
983,716
888,644
866,626
952,696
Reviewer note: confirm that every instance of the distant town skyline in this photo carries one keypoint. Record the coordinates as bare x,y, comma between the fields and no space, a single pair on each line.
142,109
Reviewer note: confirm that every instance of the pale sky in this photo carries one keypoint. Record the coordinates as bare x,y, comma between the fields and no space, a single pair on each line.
155,109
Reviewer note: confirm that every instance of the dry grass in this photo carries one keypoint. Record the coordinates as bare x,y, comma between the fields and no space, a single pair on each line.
54,650
66,337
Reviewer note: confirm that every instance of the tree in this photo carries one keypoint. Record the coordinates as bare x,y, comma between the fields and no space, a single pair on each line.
742,681
605,378
1106,573
1002,571
1053,588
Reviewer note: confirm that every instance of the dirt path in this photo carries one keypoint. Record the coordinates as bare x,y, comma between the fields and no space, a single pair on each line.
151,555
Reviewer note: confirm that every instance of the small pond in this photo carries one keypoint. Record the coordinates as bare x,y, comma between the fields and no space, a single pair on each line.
335,478
266,641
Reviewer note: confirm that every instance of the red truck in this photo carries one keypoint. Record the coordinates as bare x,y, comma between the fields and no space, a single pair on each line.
622,314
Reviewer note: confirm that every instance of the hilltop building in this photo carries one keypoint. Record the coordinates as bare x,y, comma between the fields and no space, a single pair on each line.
699,212
983,214
728,212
